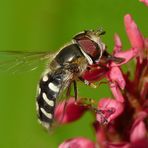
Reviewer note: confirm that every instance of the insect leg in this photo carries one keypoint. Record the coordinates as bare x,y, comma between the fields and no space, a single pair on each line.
91,104
75,90
68,95
87,82
66,100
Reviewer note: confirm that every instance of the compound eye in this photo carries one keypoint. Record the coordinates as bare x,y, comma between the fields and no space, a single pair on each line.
90,47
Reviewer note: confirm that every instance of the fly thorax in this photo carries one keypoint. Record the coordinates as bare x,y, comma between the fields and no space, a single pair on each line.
54,65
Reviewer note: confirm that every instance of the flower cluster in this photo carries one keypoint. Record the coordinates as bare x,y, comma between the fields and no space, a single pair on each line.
125,115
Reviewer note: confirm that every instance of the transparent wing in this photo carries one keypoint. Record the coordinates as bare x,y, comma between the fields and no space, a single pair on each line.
18,61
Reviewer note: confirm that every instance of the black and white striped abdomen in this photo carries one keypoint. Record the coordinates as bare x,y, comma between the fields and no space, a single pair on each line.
48,91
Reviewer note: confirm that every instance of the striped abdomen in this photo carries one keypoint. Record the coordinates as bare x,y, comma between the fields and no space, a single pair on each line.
49,89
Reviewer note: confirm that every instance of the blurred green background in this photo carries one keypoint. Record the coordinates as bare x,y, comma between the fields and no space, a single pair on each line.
47,25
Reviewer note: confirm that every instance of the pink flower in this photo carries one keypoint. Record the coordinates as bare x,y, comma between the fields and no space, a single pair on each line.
79,142
110,109
144,1
114,74
138,136
118,43
126,115
73,111
135,36
126,55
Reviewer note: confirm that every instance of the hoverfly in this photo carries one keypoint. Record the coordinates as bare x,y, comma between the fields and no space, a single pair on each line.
67,67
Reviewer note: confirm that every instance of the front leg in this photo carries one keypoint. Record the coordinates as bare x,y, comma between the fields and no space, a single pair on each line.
87,82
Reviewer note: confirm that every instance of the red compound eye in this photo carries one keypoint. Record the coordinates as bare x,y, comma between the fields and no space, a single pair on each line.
89,46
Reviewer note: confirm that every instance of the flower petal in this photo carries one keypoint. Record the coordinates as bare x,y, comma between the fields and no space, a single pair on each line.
94,74
138,132
110,109
118,43
134,34
116,92
119,145
115,75
79,142
126,55
73,111
101,136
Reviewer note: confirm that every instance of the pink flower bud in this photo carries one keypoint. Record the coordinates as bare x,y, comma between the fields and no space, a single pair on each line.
134,34
73,111
79,142
110,109
118,43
